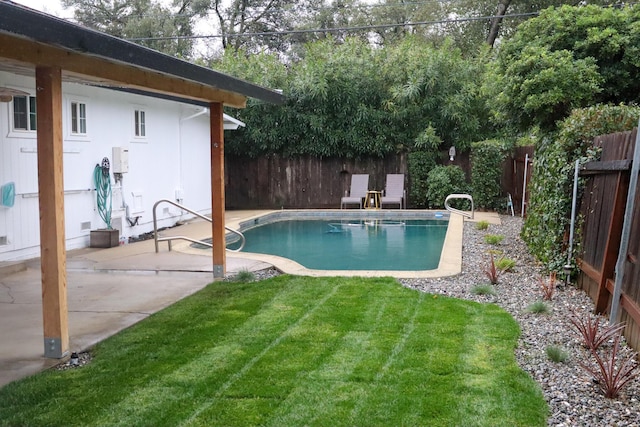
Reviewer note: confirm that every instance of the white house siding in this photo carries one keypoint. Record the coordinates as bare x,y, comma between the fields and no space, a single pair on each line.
171,161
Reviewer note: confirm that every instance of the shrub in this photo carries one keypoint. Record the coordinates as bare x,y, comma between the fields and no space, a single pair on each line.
482,225
593,333
445,180
612,371
493,239
419,165
483,290
556,354
548,215
538,307
486,172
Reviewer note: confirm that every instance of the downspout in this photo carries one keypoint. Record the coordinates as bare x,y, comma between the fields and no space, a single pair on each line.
626,229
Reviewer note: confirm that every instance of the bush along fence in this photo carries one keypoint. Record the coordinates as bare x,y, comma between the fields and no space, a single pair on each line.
602,210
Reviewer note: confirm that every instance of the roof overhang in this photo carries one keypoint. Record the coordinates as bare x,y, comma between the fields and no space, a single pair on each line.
29,38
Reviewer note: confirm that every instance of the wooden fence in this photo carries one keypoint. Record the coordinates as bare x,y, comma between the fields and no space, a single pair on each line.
602,209
275,182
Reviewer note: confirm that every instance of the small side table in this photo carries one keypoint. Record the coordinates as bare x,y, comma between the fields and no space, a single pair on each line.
372,201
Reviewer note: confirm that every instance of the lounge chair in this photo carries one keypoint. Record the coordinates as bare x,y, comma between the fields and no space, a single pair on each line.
394,192
358,191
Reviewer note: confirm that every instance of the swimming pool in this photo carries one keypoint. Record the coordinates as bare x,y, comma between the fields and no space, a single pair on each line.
371,244
450,261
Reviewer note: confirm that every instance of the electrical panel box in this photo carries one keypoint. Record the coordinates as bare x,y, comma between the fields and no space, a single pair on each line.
120,160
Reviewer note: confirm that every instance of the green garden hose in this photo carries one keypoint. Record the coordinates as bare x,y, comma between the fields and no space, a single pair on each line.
103,191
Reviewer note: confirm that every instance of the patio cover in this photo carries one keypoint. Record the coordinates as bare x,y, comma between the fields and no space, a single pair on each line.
54,50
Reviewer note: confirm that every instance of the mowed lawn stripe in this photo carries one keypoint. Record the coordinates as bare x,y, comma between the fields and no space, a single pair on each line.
291,365
205,376
247,366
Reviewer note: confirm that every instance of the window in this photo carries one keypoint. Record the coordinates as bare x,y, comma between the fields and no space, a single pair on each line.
140,130
78,118
24,113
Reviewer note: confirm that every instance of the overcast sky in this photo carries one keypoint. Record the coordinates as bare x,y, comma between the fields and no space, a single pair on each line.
52,7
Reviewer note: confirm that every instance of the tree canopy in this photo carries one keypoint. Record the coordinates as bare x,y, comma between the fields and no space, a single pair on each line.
148,22
353,100
567,58
284,26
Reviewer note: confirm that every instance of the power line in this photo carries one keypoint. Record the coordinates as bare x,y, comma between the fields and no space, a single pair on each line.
339,29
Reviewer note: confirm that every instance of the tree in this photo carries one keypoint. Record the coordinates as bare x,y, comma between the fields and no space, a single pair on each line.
397,19
351,99
276,25
496,21
541,87
437,88
567,58
147,22
506,16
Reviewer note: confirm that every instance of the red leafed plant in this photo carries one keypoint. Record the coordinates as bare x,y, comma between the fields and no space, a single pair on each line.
612,370
548,288
593,333
492,272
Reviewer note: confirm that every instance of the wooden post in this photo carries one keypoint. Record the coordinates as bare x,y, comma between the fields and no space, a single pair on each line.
51,199
217,189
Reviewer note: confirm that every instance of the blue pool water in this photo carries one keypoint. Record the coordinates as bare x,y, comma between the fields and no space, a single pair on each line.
406,245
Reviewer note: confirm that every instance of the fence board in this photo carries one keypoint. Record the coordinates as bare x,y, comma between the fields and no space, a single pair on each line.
602,207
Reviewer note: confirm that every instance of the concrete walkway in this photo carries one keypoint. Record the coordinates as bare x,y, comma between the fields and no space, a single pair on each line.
107,291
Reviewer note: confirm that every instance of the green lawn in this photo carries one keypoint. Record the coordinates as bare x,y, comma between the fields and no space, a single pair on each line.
293,351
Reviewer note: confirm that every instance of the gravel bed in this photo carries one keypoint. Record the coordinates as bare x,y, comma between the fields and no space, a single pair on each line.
573,396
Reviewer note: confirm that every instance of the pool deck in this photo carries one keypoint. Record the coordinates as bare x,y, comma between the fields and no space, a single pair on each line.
111,289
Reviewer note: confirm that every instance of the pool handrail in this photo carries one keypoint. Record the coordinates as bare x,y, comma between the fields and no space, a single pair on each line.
168,239
458,211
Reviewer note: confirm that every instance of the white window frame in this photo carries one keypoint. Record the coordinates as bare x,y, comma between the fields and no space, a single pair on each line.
140,123
31,130
78,118
68,125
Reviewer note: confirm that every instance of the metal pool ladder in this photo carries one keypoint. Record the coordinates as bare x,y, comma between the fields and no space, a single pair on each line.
458,211
168,239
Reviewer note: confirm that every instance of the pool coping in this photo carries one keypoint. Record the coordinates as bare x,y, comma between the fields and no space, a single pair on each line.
450,260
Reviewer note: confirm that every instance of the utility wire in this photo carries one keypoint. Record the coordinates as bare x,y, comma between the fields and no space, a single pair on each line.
164,14
334,30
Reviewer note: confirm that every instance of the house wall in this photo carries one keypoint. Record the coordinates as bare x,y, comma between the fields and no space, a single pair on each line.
173,156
